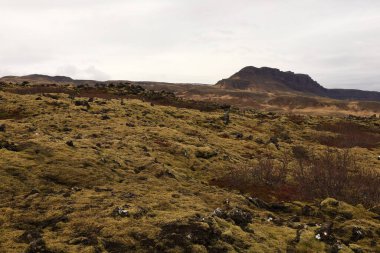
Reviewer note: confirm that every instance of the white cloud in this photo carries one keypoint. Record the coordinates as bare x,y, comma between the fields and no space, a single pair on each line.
89,73
336,42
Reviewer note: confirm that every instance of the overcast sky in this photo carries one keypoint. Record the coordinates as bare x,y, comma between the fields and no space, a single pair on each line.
336,42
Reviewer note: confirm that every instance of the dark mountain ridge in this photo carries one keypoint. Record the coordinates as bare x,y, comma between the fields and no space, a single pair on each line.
250,78
272,80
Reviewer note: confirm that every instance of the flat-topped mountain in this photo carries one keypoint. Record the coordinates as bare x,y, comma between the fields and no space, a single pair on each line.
271,79
253,79
267,89
275,80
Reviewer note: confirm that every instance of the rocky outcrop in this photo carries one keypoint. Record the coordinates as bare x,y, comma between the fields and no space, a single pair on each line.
268,78
272,80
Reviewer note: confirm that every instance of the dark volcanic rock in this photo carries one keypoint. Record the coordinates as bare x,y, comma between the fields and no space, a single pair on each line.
186,233
357,234
29,236
272,79
324,233
239,216
70,143
205,154
252,77
258,203
82,103
8,145
37,246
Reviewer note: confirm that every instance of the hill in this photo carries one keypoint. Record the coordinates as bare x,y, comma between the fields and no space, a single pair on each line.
253,88
38,78
274,80
125,169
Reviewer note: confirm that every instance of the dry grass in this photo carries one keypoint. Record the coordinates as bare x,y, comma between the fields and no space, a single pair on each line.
154,162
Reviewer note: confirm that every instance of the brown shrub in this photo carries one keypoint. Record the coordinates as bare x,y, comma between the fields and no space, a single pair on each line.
296,118
343,127
348,135
270,173
39,89
369,105
12,114
332,173
325,175
294,102
336,174
365,188
266,179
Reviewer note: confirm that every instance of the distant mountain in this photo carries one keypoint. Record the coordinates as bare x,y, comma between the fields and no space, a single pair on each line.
251,79
58,79
264,89
39,78
275,80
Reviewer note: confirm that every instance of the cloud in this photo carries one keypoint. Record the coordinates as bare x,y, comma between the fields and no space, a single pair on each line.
336,42
5,72
89,73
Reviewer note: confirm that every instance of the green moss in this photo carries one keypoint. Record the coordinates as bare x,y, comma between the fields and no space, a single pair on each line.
72,192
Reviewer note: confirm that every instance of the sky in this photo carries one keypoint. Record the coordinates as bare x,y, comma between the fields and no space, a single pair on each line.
336,42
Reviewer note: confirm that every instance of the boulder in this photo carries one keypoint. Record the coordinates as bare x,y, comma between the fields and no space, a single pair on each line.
239,216
120,212
79,240
8,146
375,209
37,246
82,103
205,154
29,236
105,117
334,208
165,173
70,143
325,233
185,234
258,203
357,234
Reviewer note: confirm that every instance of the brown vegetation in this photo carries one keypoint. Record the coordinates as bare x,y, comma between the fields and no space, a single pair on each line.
336,174
88,174
332,173
369,105
121,91
348,135
296,102
267,178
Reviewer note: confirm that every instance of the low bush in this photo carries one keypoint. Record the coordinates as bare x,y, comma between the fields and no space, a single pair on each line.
266,178
336,174
348,135
332,173
296,118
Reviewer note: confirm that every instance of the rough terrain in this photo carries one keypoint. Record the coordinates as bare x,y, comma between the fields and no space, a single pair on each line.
128,170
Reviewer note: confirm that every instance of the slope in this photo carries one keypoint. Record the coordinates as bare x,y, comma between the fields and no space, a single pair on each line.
110,175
